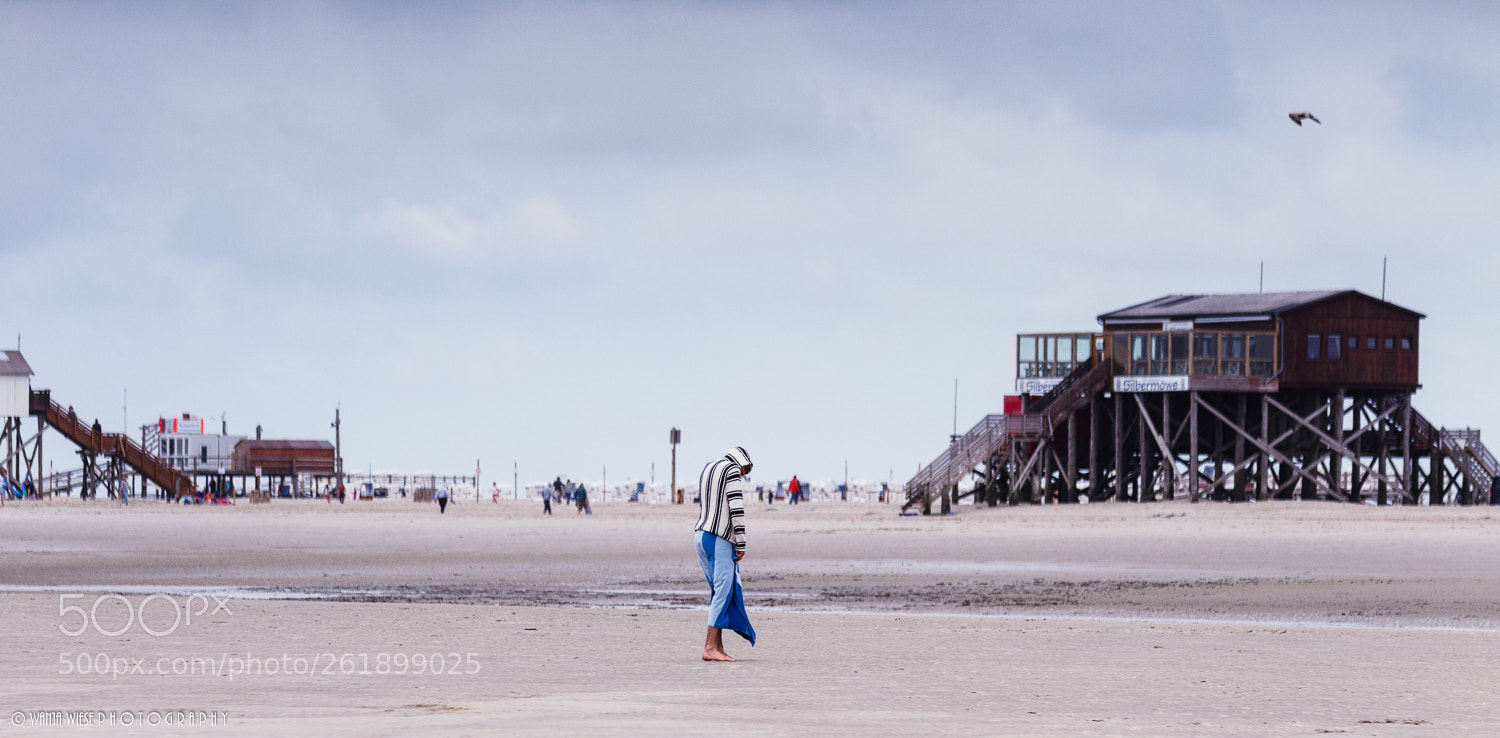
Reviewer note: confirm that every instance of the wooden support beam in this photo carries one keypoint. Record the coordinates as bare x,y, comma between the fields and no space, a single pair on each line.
1054,463
1022,475
1384,439
1239,451
1216,453
1119,431
1341,448
1043,473
1096,478
1169,461
1150,428
1071,474
1143,478
1236,469
1336,462
1435,489
1408,489
1193,446
1263,488
1303,471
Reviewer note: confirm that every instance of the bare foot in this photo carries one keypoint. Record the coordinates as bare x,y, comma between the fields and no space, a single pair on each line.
709,655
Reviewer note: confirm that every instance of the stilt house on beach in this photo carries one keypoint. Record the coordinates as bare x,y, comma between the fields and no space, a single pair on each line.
1235,397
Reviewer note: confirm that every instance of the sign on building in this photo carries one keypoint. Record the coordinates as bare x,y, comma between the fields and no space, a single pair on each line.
1151,384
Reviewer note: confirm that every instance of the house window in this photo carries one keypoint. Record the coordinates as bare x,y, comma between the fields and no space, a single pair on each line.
1160,358
1370,342
1205,354
1027,354
1232,346
1406,343
1180,358
1262,355
1353,342
1390,343
1314,345
1335,345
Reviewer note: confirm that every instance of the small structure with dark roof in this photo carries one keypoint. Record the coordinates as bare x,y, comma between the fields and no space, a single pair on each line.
284,458
15,385
1264,341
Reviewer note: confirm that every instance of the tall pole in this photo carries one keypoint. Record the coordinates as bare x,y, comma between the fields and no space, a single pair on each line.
1383,261
675,438
338,449
954,437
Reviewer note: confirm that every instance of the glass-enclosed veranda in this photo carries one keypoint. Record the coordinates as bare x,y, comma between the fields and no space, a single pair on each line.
1051,355
1195,353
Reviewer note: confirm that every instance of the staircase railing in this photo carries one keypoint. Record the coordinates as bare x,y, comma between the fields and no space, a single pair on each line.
1074,391
144,462
1475,448
992,433
1462,446
989,435
1466,451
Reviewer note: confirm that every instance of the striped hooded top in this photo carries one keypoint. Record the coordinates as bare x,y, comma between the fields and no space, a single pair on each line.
721,494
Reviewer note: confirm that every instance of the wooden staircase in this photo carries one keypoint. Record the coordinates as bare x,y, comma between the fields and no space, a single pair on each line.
993,434
145,463
1463,447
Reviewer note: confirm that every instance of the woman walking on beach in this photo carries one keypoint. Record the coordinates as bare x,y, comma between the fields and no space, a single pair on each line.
720,540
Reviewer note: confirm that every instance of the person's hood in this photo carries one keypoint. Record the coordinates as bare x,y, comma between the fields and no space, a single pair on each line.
740,456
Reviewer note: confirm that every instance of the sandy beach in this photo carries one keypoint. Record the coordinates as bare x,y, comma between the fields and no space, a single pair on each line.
301,618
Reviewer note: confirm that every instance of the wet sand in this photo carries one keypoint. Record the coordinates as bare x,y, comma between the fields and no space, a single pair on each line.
1167,619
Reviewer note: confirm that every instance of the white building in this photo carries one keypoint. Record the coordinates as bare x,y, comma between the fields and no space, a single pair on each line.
188,443
15,385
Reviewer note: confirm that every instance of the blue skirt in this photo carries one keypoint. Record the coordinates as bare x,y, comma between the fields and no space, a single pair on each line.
727,604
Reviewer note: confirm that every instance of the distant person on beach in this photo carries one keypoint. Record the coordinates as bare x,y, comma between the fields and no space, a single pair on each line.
495,492
547,495
720,540
793,490
581,498
442,497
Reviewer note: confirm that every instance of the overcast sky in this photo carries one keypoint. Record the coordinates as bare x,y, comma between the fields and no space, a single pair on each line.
546,233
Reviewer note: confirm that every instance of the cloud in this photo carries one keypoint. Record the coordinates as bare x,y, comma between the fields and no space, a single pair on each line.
1447,104
467,229
877,196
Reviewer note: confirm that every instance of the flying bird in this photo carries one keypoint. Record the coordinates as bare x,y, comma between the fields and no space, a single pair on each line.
1299,117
